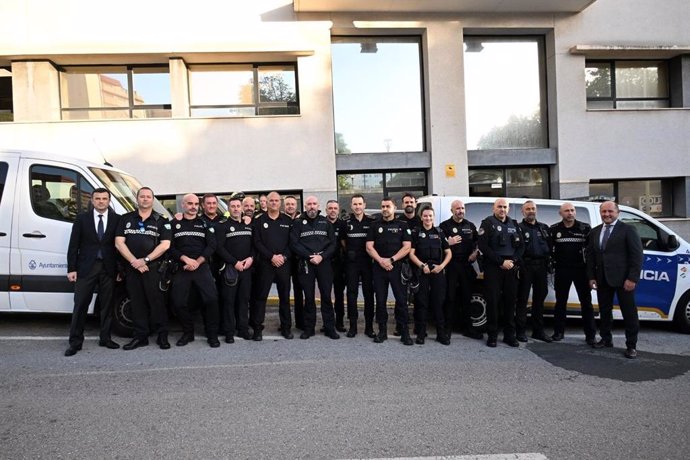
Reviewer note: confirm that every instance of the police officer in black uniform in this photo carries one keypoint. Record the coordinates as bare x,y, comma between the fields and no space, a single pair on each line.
193,243
338,263
272,243
533,274
236,249
569,242
210,215
358,267
313,240
388,242
142,238
414,223
290,206
431,254
501,244
461,235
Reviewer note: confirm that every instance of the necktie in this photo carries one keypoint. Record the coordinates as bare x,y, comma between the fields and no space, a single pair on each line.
101,230
605,238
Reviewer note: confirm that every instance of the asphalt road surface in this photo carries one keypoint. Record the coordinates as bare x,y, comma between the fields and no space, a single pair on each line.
347,398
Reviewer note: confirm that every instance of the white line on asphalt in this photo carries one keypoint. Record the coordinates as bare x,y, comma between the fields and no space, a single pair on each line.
526,456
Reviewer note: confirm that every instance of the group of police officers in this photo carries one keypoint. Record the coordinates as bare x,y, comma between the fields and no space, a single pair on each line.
233,260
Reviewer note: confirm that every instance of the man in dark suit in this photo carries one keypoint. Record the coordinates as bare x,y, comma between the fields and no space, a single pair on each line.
614,261
91,263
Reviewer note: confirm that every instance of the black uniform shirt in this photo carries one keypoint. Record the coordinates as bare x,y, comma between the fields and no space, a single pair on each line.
537,240
312,236
142,237
235,241
355,237
430,245
192,238
499,241
339,229
388,236
414,224
569,244
468,231
272,236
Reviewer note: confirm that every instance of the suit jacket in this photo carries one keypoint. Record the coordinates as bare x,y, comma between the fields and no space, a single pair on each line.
622,258
84,244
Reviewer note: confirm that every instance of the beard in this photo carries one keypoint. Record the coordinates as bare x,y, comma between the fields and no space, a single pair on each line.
409,209
312,213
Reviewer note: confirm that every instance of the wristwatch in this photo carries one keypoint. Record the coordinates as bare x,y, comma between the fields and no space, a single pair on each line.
147,260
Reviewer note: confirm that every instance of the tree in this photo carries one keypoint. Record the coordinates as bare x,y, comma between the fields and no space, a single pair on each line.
518,132
340,144
272,88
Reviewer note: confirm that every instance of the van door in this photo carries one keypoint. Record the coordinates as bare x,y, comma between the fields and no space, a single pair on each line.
8,177
50,198
657,288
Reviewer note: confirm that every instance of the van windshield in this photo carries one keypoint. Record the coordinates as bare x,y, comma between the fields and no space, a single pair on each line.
124,189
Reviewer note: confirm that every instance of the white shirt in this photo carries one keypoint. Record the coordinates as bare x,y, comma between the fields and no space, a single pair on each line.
95,220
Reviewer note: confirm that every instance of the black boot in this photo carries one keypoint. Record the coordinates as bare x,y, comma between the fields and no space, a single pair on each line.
405,336
382,336
369,329
353,328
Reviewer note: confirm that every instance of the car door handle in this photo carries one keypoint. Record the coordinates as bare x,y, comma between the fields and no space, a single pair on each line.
34,234
3,234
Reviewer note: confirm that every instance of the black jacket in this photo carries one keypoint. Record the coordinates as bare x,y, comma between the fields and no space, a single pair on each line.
84,244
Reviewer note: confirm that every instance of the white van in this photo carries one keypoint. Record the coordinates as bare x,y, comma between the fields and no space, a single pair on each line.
663,293
40,195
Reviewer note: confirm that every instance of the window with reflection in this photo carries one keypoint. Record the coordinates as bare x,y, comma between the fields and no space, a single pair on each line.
112,92
375,185
377,94
627,84
504,91
509,182
243,90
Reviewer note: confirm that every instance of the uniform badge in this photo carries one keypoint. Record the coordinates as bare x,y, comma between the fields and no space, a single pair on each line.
232,229
526,235
178,226
166,226
129,224
304,221
455,229
351,227
558,235
480,231
211,229
380,229
422,235
265,224
498,227
409,232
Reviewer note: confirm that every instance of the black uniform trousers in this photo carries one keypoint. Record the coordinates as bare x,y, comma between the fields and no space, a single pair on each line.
431,296
356,271
533,275
501,289
461,277
236,304
149,313
339,290
266,274
563,279
83,293
297,293
382,280
202,279
323,275
626,299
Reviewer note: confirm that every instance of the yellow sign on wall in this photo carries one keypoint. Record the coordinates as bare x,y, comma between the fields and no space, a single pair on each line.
450,170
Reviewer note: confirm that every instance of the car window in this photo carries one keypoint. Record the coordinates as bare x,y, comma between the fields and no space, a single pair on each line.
648,232
3,177
58,193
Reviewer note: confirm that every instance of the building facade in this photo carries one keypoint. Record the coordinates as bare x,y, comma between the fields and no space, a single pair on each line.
558,98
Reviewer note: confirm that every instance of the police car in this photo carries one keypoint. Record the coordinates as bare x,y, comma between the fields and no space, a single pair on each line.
663,293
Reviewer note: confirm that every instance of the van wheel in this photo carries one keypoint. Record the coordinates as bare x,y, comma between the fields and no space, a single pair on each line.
122,315
682,315
478,310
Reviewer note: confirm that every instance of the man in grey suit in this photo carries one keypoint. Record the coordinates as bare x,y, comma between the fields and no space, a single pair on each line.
614,261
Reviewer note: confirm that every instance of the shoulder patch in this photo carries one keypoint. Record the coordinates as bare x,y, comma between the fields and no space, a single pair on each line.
480,231
166,226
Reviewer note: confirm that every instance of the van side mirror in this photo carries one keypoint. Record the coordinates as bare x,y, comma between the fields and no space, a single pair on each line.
672,242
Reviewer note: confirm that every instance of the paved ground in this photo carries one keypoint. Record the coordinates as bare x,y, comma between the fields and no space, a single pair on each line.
349,398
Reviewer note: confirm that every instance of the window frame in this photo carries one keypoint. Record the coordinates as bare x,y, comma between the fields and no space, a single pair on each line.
614,99
132,106
256,104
